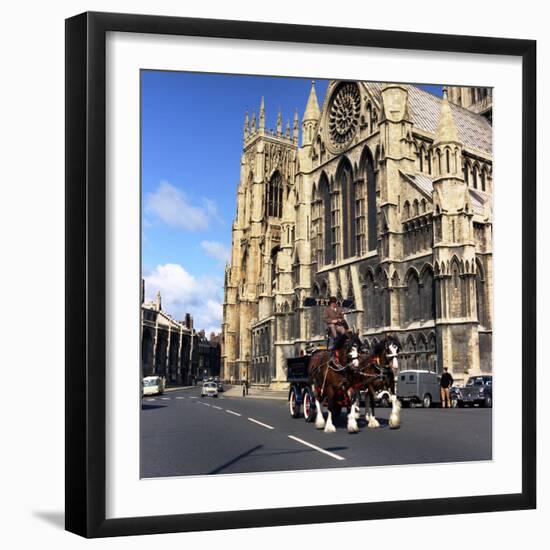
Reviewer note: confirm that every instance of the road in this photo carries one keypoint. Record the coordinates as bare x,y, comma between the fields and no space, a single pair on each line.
184,434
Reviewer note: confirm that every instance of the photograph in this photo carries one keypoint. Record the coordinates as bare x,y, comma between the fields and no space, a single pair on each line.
316,273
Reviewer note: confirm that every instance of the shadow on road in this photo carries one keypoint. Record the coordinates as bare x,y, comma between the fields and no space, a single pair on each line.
146,407
236,459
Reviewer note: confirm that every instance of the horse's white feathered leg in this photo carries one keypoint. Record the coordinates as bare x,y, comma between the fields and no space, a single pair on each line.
329,427
395,420
373,423
319,420
352,420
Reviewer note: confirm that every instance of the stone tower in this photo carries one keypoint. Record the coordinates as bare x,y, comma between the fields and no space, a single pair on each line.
454,252
261,237
478,100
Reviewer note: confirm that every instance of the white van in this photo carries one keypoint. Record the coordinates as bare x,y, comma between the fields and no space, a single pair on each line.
152,385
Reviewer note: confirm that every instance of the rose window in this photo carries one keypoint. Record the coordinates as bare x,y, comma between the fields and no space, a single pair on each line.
344,114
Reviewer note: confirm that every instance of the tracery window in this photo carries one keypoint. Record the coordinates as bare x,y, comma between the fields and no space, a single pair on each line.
275,195
360,245
335,223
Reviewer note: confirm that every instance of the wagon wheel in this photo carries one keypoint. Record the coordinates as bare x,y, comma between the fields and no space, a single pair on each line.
309,406
293,405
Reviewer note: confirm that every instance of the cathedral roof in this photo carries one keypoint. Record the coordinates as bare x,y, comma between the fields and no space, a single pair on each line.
474,130
425,184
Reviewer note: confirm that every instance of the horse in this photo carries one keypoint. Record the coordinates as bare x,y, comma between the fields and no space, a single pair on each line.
330,383
377,371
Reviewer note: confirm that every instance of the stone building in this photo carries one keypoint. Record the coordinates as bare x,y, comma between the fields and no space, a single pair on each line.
387,201
173,349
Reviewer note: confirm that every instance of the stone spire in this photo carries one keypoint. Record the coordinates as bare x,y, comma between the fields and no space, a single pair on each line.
262,114
253,122
295,128
287,131
312,108
446,129
158,301
246,129
311,117
279,123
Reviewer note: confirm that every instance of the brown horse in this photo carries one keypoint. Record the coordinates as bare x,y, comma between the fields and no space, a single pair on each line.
330,384
377,372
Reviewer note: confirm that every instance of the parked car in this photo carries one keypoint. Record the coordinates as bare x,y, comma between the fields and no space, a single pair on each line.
209,389
478,390
152,385
418,386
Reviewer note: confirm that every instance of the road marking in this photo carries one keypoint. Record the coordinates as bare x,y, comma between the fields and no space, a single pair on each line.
337,457
165,398
231,412
180,397
261,424
216,407
151,399
203,403
193,397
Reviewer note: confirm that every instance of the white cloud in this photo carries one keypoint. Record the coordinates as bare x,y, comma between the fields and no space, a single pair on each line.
216,250
171,205
183,293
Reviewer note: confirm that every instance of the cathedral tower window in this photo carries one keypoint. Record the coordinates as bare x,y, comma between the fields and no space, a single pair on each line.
275,196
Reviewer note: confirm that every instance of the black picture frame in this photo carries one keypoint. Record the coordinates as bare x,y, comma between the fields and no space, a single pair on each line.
86,273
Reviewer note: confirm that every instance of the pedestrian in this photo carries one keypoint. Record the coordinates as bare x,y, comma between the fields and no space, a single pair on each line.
245,388
445,388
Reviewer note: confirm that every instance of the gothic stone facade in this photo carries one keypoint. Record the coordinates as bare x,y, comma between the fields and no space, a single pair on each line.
386,201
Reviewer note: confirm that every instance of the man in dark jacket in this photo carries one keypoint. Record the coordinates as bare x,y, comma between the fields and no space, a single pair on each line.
335,322
445,388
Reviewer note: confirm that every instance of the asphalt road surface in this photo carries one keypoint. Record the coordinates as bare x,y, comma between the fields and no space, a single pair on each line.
185,434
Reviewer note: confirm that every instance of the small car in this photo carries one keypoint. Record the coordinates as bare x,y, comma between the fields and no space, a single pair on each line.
477,391
152,385
209,389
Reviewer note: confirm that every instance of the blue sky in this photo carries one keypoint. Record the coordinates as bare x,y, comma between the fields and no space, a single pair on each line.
192,127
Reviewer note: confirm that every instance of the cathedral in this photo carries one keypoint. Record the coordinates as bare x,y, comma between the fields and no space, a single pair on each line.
386,202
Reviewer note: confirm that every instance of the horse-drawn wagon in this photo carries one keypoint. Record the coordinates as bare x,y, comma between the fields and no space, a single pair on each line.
300,393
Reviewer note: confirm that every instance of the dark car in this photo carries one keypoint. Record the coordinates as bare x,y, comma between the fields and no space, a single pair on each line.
477,391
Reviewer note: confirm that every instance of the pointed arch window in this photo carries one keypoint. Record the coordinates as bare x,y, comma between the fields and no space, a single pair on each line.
334,223
360,230
275,196
344,183
368,174
475,176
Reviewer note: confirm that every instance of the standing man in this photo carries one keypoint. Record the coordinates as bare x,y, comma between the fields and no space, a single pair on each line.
445,388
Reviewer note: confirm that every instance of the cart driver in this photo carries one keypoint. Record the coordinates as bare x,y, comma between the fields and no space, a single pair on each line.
335,322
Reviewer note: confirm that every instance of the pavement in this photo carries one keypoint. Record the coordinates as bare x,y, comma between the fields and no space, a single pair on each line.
184,434
256,393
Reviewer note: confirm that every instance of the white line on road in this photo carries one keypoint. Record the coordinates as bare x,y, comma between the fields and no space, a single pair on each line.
231,412
180,397
216,407
337,457
261,424
193,397
203,403
165,398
